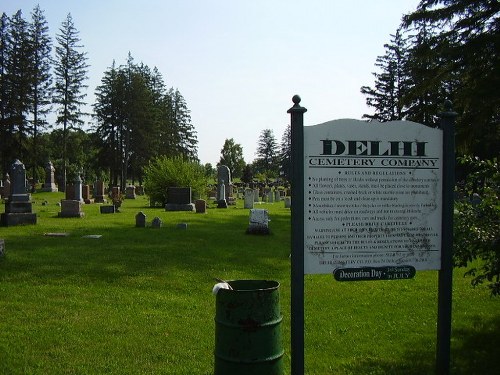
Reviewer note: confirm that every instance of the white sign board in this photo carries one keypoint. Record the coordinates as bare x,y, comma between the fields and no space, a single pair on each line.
372,195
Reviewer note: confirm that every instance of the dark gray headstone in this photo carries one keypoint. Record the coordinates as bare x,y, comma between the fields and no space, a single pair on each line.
156,223
140,220
179,195
179,199
107,209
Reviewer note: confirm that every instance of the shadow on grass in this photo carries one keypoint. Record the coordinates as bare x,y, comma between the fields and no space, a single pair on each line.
474,352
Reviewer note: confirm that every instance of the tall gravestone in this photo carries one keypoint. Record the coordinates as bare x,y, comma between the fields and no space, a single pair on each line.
18,208
99,192
221,195
72,205
78,188
224,180
249,198
49,184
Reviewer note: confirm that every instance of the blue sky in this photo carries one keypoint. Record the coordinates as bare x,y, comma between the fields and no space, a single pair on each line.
238,63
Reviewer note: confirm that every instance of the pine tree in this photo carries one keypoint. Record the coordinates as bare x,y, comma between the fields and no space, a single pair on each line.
41,78
390,83
467,51
267,153
4,134
285,154
17,83
70,76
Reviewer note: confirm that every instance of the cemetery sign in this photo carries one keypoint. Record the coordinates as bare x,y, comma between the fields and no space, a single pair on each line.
372,196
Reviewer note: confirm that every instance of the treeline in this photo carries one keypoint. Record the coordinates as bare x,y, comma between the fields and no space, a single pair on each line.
444,50
138,118
135,116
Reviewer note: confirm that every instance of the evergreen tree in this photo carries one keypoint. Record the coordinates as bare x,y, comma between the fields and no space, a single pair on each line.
232,157
467,50
267,153
138,119
4,128
16,86
70,76
183,132
387,96
285,154
41,79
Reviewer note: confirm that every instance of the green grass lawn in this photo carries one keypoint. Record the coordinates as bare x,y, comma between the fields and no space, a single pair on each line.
139,301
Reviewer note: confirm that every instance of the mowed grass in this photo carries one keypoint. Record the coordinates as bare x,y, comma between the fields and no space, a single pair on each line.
138,300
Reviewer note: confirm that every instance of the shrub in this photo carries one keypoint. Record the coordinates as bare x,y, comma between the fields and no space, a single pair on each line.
477,222
162,173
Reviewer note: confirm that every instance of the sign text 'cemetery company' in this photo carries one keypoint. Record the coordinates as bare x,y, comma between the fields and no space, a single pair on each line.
372,197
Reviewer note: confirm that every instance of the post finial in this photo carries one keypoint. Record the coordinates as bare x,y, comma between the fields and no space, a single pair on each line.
296,106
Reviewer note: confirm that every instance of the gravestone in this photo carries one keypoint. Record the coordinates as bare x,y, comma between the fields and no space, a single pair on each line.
221,195
2,247
277,196
255,195
71,208
69,193
50,184
140,220
130,192
249,199
18,208
139,190
200,206
288,202
78,188
99,196
108,209
259,221
156,223
224,181
270,196
179,199
182,226
86,194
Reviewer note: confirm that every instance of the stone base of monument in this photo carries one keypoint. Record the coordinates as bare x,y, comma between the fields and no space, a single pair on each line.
18,211
51,188
259,221
99,199
71,208
88,201
179,207
221,203
21,218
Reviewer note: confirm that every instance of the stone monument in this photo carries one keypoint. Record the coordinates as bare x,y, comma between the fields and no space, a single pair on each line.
49,184
18,208
99,192
249,198
140,220
179,199
224,180
259,222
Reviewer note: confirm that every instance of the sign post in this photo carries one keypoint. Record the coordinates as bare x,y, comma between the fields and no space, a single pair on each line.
446,272
297,256
371,201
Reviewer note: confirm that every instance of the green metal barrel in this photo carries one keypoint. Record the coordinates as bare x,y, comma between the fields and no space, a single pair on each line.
248,329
